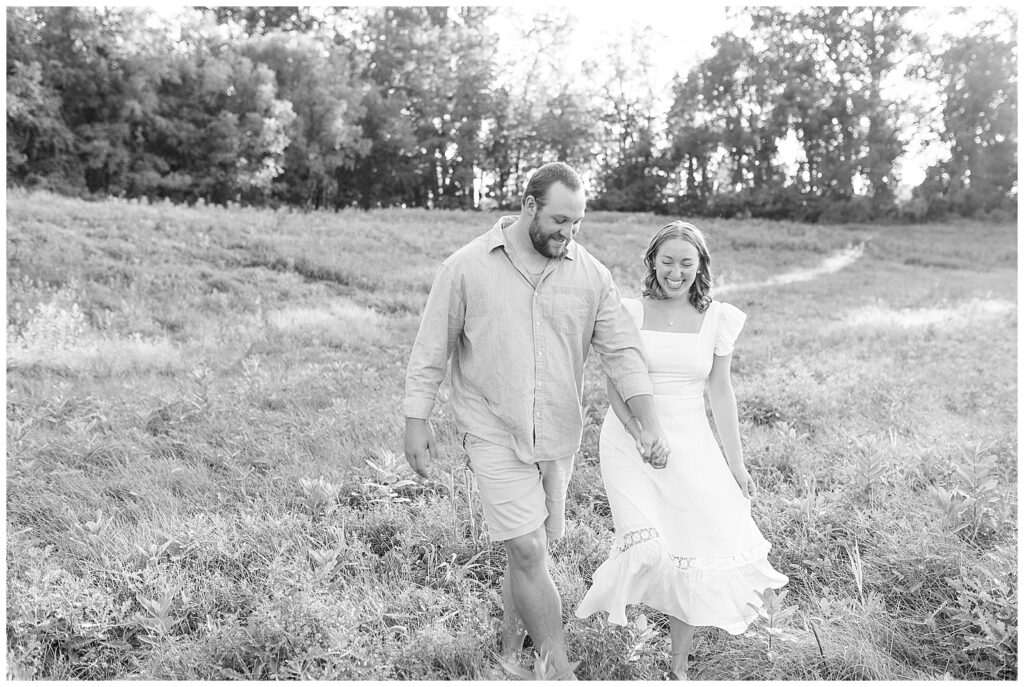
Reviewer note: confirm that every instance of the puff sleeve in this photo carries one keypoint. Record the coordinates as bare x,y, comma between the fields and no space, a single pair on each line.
730,322
635,309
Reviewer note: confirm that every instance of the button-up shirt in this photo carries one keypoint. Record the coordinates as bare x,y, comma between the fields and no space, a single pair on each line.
517,350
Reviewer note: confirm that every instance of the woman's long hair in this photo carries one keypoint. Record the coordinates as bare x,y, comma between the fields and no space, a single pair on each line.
700,290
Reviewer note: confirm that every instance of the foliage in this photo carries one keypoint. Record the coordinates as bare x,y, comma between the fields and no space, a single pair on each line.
543,669
979,117
323,139
970,506
424,109
792,116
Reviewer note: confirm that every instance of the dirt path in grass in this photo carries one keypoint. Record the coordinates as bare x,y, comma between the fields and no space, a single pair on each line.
833,263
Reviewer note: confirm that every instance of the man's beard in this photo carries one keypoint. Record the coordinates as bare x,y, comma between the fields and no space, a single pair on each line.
542,245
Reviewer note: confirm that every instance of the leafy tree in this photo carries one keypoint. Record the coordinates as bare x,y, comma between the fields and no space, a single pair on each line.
632,171
537,113
637,183
822,106
886,40
725,124
95,61
426,106
565,129
979,77
39,142
218,129
693,142
324,135
260,20
409,106
835,61
475,46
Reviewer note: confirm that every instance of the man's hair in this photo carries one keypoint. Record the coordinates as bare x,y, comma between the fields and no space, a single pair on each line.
548,175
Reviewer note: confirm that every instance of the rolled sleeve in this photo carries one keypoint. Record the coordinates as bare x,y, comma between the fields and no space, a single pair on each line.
634,384
443,319
617,340
418,407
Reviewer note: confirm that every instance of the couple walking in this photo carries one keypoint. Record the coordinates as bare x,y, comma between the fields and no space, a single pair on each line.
516,311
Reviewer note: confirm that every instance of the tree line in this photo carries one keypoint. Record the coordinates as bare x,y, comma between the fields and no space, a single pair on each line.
793,115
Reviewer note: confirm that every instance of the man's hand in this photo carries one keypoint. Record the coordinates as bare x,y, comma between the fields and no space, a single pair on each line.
420,447
653,448
651,441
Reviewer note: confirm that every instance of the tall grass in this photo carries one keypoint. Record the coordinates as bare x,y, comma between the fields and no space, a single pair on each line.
204,477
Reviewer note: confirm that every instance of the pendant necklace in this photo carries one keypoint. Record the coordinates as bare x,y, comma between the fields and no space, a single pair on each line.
672,322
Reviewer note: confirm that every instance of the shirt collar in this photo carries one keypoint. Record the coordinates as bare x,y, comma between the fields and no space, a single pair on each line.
496,236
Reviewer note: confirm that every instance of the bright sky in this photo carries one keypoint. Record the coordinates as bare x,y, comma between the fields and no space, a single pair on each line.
683,31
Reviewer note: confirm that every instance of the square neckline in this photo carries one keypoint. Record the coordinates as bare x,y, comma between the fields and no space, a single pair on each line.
643,321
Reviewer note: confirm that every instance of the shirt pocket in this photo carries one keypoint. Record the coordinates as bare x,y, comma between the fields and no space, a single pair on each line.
570,309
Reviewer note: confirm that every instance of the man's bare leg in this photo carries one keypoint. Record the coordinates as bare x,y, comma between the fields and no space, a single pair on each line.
513,632
535,595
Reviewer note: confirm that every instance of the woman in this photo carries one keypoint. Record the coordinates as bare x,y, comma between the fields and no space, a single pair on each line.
685,543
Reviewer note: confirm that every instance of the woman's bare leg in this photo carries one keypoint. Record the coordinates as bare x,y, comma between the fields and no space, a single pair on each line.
682,641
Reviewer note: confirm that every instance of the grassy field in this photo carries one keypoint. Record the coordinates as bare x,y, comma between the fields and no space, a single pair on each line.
195,397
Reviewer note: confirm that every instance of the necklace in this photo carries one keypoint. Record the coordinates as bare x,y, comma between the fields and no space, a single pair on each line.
536,274
672,322
528,270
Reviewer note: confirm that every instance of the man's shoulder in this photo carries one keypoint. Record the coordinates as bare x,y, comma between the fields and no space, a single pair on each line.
474,260
470,252
589,263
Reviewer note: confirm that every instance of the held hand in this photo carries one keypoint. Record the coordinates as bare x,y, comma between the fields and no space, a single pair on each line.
653,448
659,458
744,480
420,446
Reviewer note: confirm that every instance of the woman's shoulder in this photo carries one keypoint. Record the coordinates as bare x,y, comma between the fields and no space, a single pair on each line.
635,307
730,321
639,303
633,303
727,310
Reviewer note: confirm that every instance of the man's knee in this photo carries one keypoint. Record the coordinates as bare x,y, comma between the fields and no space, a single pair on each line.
528,551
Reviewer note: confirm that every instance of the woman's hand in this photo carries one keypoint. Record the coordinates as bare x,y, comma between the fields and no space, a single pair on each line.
744,480
653,449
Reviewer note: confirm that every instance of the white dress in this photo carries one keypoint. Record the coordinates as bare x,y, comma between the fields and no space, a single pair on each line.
685,543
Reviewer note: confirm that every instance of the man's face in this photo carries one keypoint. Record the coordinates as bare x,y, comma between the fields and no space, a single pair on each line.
554,225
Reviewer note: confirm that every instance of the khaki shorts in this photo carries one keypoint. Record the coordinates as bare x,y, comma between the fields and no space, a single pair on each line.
519,497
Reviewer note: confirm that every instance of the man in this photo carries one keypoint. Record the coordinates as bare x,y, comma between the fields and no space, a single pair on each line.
517,310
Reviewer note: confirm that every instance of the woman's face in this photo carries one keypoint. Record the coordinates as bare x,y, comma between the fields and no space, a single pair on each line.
675,267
